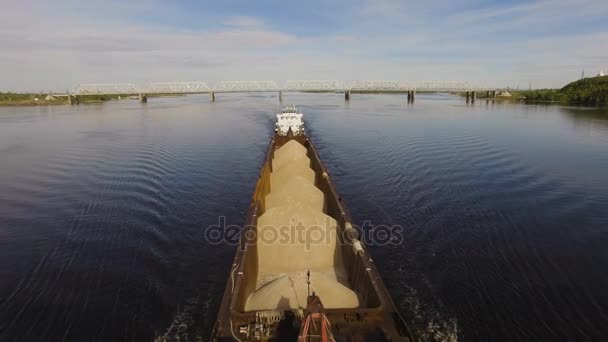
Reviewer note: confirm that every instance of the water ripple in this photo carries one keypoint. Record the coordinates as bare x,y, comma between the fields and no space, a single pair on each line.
102,211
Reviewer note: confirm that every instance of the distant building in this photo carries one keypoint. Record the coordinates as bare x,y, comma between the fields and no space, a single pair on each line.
601,73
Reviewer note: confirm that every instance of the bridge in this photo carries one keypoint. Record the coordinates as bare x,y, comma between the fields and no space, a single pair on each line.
313,86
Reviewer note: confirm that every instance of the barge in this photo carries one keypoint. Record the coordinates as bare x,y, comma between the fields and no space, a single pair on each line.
300,272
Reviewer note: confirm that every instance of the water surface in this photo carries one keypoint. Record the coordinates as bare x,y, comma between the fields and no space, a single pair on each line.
504,209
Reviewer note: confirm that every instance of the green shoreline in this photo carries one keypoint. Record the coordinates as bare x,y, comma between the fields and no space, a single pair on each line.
30,99
591,91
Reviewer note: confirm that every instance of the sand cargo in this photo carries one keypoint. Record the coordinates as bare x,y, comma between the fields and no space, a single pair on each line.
300,273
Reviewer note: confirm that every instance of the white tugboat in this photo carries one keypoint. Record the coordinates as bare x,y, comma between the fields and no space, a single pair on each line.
289,119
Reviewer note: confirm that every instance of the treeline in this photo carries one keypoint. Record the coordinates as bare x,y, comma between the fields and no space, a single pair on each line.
25,99
587,91
18,97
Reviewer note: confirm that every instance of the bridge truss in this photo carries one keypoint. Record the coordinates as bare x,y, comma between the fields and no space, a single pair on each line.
245,86
196,87
176,88
319,85
382,86
106,89
442,86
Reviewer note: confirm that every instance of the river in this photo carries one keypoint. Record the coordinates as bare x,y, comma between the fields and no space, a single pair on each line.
504,209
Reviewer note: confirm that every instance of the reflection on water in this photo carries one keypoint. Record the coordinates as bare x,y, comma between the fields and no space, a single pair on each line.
504,209
592,120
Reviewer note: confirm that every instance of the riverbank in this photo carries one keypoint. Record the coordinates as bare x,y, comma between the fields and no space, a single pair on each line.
16,99
586,92
29,99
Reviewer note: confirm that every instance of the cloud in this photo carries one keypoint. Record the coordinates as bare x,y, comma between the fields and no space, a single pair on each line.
243,22
59,45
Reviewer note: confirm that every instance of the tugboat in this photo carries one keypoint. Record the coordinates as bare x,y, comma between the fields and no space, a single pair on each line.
300,272
287,119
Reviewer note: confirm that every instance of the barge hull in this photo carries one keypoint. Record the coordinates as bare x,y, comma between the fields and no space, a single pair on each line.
376,318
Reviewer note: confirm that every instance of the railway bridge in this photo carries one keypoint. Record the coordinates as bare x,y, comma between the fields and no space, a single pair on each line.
312,86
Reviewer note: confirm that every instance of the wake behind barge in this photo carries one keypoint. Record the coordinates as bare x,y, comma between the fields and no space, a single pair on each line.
303,290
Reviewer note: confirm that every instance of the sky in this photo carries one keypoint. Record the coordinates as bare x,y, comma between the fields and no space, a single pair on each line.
55,45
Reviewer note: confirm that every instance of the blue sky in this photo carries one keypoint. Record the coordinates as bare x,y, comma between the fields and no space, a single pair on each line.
55,45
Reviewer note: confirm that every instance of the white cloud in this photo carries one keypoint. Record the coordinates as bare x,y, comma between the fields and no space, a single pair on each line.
52,48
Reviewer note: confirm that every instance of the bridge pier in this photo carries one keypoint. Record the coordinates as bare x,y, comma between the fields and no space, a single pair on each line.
73,99
347,95
471,96
212,96
280,96
411,95
143,98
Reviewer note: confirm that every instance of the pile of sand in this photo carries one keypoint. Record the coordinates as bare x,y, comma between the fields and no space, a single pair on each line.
289,291
294,236
296,189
